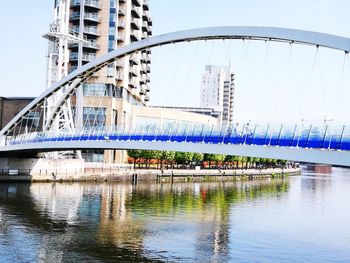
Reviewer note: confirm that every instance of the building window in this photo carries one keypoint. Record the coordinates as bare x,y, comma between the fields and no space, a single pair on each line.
94,116
94,156
111,45
96,89
32,119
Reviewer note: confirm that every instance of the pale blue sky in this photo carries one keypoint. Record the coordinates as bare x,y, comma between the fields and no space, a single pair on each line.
22,51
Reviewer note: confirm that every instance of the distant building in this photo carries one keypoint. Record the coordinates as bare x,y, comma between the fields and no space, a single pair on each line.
10,107
203,111
217,91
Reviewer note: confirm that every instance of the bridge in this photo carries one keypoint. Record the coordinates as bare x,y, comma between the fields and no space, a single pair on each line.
319,143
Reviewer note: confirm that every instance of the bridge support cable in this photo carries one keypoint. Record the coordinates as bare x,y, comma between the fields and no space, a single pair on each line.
271,82
340,85
308,91
295,80
322,84
173,77
185,89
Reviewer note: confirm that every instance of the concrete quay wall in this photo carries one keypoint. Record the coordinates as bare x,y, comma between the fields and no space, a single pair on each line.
46,170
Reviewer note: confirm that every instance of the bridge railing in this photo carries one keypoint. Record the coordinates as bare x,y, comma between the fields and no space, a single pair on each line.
301,135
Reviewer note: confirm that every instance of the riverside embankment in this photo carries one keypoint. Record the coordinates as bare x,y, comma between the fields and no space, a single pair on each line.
127,174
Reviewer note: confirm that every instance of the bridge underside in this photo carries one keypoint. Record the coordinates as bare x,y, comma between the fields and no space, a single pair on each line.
340,158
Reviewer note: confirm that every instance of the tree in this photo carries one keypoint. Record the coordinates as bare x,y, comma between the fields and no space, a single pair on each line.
233,159
168,156
135,154
197,158
149,155
249,161
282,163
183,157
214,158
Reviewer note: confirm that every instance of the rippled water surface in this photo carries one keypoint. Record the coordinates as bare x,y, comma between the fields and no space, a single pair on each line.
297,219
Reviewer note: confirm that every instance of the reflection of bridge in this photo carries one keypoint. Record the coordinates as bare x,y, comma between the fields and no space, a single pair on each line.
323,144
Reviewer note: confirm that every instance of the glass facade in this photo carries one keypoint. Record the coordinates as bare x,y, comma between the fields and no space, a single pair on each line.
96,89
102,90
94,156
94,116
32,119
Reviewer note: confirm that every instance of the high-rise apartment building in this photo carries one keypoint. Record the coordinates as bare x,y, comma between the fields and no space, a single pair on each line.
217,91
85,29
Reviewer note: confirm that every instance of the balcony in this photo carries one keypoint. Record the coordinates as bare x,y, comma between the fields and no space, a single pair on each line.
133,71
145,26
146,68
144,35
88,3
121,23
74,16
135,12
120,37
74,56
134,35
93,17
119,64
143,57
90,44
145,16
143,69
90,30
143,80
136,3
142,91
121,11
134,59
135,23
132,83
146,5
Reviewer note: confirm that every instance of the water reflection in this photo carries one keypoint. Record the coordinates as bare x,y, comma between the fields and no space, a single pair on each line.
109,222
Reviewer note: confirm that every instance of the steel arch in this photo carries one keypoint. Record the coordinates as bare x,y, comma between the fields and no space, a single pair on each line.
229,32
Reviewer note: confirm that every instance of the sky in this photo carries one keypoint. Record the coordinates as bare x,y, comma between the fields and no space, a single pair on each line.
272,80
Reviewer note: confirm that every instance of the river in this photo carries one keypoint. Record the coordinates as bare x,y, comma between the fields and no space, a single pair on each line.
296,219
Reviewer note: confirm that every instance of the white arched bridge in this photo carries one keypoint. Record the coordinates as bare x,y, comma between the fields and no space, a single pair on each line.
300,142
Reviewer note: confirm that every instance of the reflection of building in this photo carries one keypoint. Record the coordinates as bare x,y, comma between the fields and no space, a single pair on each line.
320,168
61,201
217,91
117,225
